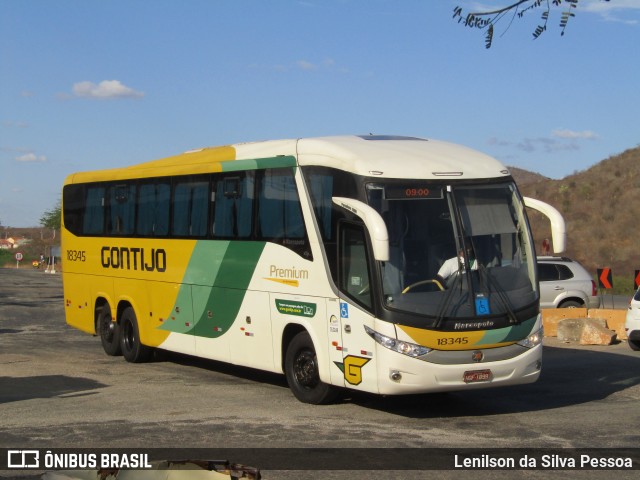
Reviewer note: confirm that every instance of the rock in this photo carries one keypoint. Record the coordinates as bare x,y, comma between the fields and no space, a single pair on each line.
585,331
593,333
615,320
569,329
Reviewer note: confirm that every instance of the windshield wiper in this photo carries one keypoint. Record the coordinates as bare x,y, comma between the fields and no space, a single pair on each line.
443,308
502,296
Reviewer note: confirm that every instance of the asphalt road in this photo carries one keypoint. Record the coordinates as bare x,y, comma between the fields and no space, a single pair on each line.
58,389
616,302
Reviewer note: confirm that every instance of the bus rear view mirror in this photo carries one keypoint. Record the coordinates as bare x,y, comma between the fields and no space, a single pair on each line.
374,223
558,229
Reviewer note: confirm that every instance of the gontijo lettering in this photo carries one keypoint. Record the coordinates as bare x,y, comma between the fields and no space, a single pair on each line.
134,258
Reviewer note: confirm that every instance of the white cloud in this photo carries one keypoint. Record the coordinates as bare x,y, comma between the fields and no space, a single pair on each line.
499,142
560,140
570,134
304,65
326,64
600,6
105,90
613,11
548,145
12,124
31,157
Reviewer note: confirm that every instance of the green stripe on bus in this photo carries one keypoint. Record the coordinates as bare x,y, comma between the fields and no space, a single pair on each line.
230,286
258,163
215,284
509,334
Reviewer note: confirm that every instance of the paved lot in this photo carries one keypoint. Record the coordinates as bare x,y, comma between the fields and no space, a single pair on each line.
58,389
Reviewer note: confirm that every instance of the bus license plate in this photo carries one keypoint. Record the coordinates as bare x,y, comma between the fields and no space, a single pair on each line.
472,376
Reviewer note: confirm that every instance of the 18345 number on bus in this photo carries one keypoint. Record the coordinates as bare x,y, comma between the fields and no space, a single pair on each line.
76,255
453,341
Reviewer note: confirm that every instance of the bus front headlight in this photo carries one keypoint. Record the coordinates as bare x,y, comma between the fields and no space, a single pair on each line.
533,340
405,348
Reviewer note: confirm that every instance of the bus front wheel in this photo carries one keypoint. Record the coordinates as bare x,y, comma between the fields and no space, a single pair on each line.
109,332
132,350
303,375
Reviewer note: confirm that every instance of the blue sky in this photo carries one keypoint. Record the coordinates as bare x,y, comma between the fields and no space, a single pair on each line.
90,85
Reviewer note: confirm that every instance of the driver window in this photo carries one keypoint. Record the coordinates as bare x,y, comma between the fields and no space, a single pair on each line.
354,264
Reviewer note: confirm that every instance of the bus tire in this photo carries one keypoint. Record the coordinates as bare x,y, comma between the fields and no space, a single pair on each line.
132,350
303,376
109,332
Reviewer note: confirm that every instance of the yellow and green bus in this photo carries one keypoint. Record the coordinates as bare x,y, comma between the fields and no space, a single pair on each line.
384,264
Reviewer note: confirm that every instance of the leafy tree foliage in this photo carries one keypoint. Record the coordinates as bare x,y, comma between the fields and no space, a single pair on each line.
52,218
487,19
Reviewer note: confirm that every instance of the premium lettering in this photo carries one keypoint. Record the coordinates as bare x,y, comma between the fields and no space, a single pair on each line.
125,258
290,273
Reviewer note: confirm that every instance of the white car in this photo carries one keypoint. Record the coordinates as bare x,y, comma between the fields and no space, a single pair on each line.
632,324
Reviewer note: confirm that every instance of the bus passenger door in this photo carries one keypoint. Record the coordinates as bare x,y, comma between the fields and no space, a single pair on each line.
335,341
354,278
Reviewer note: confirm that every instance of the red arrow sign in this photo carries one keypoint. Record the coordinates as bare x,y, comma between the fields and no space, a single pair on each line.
605,279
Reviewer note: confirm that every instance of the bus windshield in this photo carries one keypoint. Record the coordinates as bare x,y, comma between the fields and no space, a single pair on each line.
455,251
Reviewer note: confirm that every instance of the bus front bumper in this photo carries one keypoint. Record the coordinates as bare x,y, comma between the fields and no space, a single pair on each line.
399,374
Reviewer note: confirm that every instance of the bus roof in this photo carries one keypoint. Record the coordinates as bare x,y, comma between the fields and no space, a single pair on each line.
380,155
383,155
399,157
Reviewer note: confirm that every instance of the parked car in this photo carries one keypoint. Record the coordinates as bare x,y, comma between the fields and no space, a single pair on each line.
632,324
564,283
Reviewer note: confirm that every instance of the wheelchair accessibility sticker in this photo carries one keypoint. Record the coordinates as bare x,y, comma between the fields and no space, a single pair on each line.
344,310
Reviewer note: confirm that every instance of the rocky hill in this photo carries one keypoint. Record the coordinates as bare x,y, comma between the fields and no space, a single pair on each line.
525,177
601,207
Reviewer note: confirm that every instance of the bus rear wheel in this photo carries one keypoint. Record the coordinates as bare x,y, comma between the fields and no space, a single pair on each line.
109,332
132,350
303,375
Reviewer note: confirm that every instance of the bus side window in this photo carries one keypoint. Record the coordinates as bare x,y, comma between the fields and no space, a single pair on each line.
279,212
122,207
233,206
321,190
190,208
153,209
73,202
94,211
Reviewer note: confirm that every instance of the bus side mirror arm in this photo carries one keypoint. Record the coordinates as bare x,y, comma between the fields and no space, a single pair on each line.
374,223
558,229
